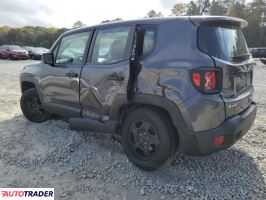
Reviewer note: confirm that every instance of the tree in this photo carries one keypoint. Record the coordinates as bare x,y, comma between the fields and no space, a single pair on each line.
78,24
237,8
203,6
112,20
192,9
30,36
153,13
252,12
198,7
255,35
179,9
218,8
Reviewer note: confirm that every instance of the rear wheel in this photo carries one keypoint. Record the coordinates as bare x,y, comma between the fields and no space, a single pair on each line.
32,108
147,139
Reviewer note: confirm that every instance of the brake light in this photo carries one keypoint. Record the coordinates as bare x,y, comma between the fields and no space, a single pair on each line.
196,78
207,80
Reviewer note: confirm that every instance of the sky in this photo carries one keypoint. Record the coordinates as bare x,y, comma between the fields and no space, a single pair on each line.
64,13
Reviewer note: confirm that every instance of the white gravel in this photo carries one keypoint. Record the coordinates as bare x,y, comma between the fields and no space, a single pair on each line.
83,165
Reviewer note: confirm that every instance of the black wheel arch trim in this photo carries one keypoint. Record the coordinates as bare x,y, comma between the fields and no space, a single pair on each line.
155,101
29,79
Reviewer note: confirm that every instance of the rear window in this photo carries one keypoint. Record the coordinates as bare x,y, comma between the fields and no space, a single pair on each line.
226,43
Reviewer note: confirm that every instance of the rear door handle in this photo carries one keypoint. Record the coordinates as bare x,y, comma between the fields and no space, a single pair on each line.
72,74
116,77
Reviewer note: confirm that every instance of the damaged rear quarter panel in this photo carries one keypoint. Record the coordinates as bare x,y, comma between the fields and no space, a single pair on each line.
166,72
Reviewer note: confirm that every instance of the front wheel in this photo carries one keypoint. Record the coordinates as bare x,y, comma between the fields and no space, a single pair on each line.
147,138
32,108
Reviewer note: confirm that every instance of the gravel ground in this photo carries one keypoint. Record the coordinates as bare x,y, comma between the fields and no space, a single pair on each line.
83,165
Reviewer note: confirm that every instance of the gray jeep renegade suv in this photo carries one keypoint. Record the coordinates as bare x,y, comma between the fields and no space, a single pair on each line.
164,84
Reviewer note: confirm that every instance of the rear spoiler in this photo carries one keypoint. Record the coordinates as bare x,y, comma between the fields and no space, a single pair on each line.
218,20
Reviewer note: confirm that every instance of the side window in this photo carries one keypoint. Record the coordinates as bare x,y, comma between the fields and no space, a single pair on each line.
149,40
111,46
72,47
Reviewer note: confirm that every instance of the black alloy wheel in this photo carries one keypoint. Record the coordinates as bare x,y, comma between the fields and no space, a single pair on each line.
32,107
148,138
144,139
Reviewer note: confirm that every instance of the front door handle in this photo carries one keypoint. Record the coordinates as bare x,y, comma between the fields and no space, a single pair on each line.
116,77
72,74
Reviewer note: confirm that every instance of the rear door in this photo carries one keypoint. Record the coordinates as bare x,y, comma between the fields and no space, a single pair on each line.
226,45
60,83
106,74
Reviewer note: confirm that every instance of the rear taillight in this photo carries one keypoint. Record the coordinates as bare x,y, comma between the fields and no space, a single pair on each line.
196,79
207,80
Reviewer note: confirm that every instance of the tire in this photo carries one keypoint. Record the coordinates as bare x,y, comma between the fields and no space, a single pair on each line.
32,108
147,138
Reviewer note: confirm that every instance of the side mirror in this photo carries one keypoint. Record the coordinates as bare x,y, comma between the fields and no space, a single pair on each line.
48,58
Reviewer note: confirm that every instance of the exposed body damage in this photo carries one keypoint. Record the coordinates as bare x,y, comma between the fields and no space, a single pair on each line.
159,83
166,74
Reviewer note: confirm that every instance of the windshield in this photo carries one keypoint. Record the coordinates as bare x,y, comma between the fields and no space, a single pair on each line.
227,43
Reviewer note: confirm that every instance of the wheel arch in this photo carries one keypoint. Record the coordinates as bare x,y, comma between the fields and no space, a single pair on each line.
25,85
122,106
27,82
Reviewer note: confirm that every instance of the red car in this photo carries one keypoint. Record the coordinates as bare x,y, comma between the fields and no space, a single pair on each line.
3,54
15,52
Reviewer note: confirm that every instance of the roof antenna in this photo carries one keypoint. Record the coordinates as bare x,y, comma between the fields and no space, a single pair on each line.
204,7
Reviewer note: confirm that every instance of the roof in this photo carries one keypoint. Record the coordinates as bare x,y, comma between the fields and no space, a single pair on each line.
196,20
130,22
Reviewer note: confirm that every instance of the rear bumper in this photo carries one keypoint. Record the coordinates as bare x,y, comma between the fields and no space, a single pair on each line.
202,143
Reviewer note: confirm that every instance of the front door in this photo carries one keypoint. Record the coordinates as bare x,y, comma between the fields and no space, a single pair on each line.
60,83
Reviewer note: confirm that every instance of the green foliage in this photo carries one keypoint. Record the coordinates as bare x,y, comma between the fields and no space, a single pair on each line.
78,24
30,36
192,9
252,12
255,35
153,13
218,8
179,9
112,20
